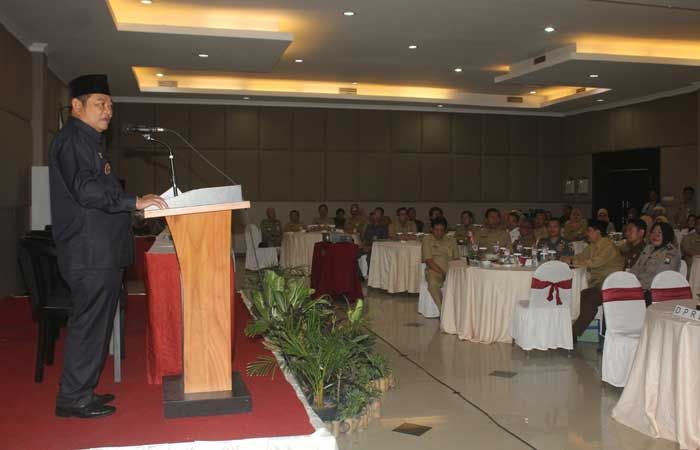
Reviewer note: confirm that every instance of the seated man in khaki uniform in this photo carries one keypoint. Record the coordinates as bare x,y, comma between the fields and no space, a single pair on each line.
402,225
635,241
465,231
601,258
357,222
323,218
294,224
541,225
690,246
271,230
438,250
527,234
492,232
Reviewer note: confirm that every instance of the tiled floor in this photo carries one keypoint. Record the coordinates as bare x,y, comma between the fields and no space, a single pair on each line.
555,401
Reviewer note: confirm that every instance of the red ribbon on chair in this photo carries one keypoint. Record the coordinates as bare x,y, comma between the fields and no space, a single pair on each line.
622,294
553,287
666,294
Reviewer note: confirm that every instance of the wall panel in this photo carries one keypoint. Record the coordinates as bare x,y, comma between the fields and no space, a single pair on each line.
437,133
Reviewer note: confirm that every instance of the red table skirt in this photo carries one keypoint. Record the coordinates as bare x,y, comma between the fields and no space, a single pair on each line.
164,328
334,270
137,271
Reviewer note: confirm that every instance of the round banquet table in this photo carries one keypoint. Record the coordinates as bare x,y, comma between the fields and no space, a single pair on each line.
395,266
479,302
298,248
663,389
695,276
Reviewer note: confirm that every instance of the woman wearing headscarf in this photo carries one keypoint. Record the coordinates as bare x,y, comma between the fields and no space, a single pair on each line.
658,256
575,228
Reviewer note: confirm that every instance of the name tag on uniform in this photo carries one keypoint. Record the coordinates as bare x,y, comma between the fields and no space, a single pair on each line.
686,313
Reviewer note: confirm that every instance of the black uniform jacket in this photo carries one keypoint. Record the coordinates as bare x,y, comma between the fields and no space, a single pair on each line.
90,212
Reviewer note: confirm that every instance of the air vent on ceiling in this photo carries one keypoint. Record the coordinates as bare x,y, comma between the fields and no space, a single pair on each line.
347,91
167,83
515,99
540,59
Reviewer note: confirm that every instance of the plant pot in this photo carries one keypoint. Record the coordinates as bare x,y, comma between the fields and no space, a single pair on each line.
327,413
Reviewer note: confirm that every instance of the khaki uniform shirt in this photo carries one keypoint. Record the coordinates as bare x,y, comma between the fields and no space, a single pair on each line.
575,231
488,237
541,233
631,253
324,221
526,241
602,258
690,247
441,251
356,224
386,220
409,227
271,230
294,227
653,261
680,217
462,232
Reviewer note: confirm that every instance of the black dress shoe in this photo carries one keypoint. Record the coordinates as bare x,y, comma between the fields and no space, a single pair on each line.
92,410
103,399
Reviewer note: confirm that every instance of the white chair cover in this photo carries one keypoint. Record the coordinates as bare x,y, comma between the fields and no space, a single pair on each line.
624,319
426,305
670,285
364,267
684,269
541,323
258,258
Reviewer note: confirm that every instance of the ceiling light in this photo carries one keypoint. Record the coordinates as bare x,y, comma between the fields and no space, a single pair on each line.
298,60
533,92
413,46
600,100
439,106
458,69
203,55
146,2
160,75
354,82
549,29
349,13
593,75
246,98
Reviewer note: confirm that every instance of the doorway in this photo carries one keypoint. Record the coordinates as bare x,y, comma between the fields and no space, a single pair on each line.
622,180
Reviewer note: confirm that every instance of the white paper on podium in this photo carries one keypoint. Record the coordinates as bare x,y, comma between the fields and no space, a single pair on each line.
202,197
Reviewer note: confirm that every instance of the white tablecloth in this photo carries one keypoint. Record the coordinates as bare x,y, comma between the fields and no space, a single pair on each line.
478,303
298,248
695,276
662,393
396,266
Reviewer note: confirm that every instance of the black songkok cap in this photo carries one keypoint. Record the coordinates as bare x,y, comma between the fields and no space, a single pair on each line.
89,84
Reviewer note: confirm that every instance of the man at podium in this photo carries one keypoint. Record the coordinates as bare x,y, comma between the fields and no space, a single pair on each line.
92,230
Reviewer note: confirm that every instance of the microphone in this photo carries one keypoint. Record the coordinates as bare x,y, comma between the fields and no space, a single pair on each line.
142,129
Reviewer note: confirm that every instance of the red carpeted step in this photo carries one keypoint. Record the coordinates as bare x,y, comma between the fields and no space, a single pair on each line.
28,420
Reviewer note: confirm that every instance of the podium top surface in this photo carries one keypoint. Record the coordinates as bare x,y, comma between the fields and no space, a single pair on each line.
199,201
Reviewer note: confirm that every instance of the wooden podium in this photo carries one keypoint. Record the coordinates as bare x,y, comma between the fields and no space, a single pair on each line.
200,225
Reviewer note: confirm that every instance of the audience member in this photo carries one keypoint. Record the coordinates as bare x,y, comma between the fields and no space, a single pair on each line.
635,241
465,230
527,234
653,202
513,225
271,230
412,216
686,208
632,214
339,219
386,220
554,241
323,218
691,244
601,258
649,221
540,224
604,216
403,224
566,214
689,226
437,251
435,212
295,223
357,221
375,230
658,256
492,233
575,228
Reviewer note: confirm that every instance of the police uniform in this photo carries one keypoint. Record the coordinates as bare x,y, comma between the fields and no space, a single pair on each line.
488,237
91,225
292,227
690,247
398,227
271,230
653,261
441,251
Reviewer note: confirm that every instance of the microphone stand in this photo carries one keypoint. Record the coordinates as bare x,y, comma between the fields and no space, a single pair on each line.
150,138
198,153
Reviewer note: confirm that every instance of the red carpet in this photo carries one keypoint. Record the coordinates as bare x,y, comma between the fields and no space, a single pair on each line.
28,422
